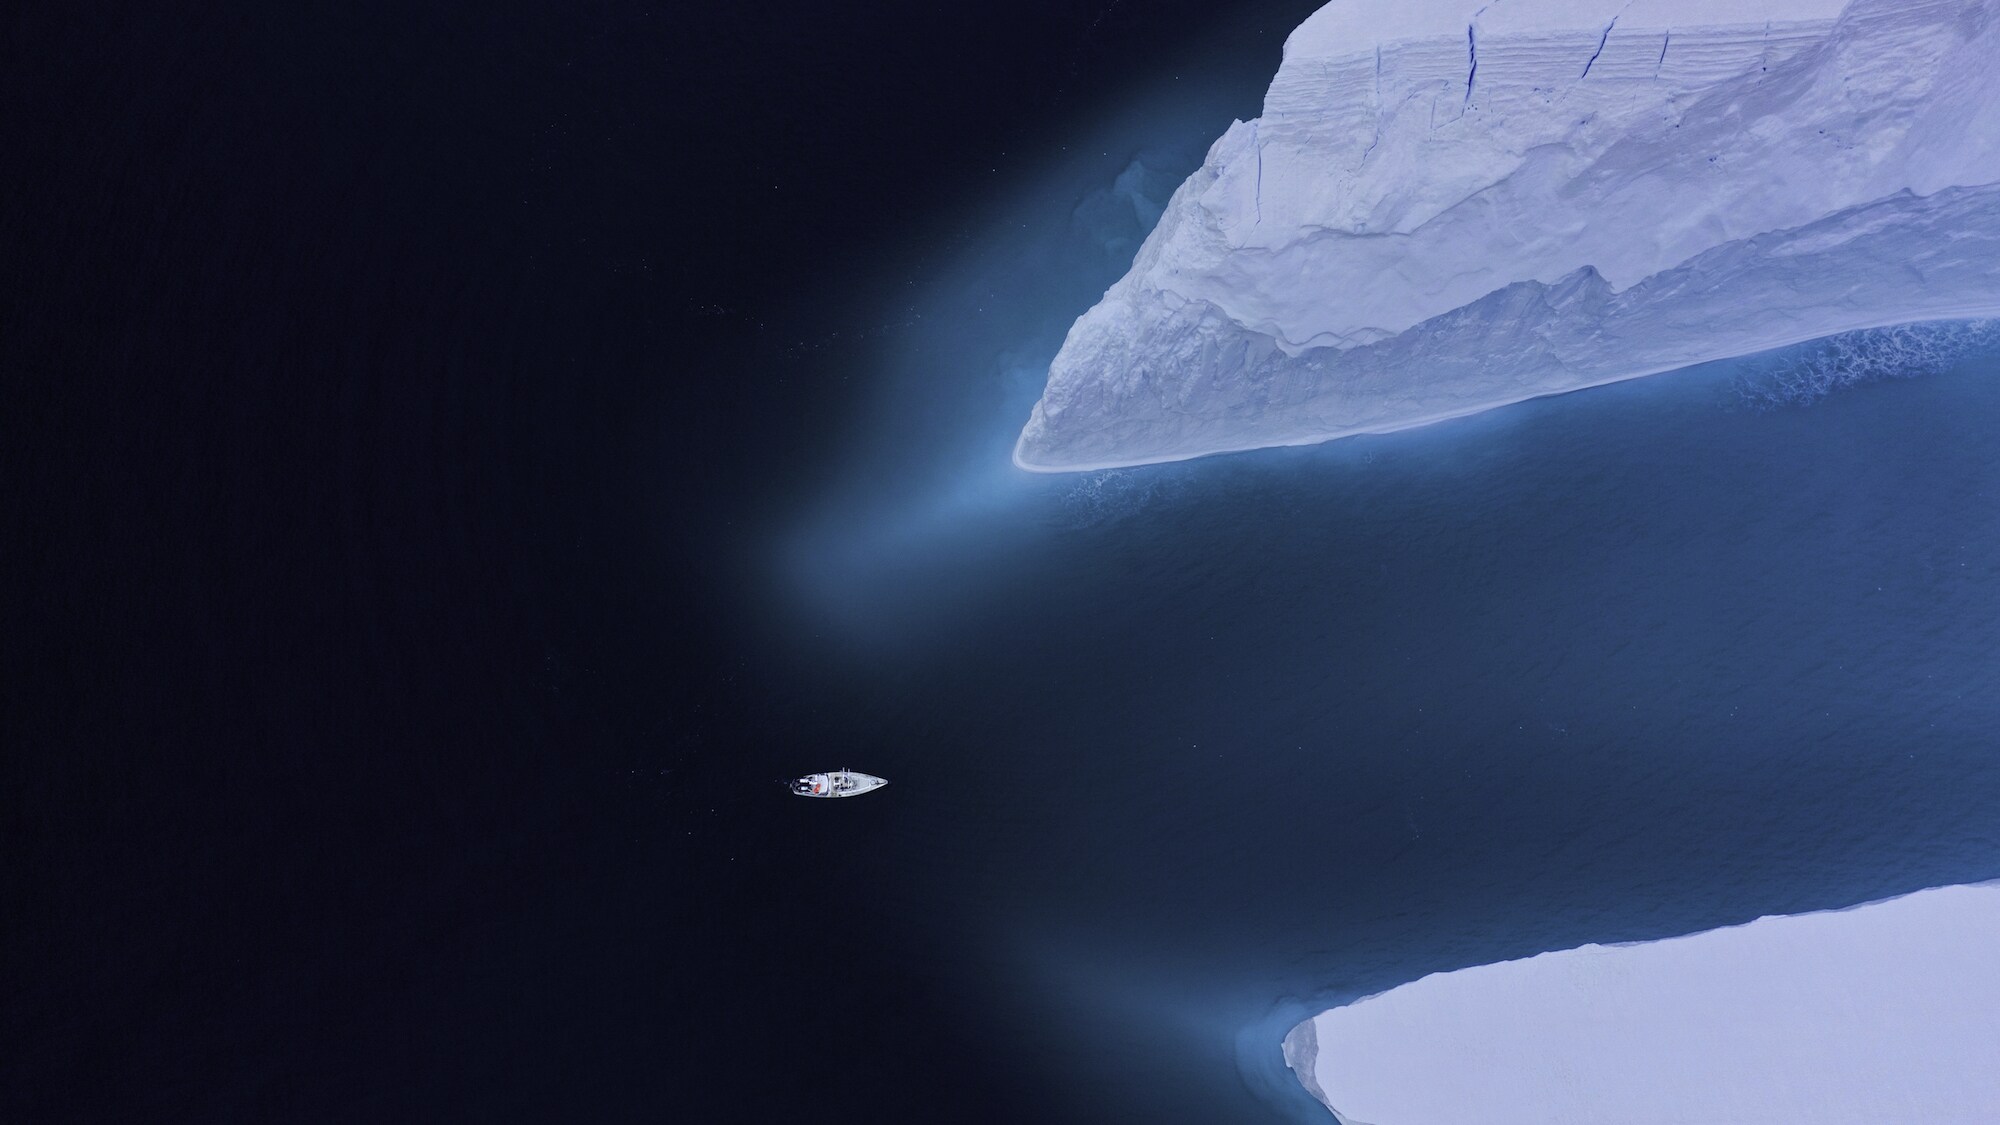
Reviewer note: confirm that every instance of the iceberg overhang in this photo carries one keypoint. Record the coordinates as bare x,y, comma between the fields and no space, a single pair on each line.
1447,207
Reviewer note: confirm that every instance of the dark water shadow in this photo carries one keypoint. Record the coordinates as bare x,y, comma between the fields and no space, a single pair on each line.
1184,754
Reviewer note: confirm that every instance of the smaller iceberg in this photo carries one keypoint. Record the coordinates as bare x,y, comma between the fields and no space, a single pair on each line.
1887,1012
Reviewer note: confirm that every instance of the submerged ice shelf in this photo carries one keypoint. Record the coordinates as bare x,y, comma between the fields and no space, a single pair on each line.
1449,205
1883,1012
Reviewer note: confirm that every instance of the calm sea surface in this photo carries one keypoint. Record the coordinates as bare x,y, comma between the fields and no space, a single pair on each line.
1182,754
443,536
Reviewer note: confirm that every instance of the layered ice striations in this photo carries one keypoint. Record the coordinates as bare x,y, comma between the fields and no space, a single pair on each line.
1884,1012
1449,205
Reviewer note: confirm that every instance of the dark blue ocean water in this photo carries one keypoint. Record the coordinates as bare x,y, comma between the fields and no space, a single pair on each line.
442,533
1182,754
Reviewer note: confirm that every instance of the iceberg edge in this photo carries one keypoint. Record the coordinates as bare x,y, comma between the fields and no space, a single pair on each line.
1338,268
1882,1011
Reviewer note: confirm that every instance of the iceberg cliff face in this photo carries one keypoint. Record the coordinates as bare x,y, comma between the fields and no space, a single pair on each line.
1883,1012
1449,205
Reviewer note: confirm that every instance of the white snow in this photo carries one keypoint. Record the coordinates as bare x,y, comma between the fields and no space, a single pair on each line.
1879,1013
1627,187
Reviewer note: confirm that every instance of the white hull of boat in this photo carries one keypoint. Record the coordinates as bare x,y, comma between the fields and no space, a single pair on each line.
839,783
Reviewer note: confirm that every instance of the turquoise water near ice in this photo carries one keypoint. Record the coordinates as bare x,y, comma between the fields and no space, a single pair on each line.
1182,754
1194,751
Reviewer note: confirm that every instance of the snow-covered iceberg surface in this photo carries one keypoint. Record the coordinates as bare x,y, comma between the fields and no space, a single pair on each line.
1449,205
1884,1012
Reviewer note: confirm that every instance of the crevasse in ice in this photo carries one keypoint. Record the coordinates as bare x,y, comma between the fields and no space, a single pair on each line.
1449,205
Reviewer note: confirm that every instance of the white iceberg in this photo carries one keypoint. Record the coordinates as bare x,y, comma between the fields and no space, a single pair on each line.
1883,1012
1449,205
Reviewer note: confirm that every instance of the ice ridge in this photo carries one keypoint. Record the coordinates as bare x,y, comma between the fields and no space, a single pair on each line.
1448,206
